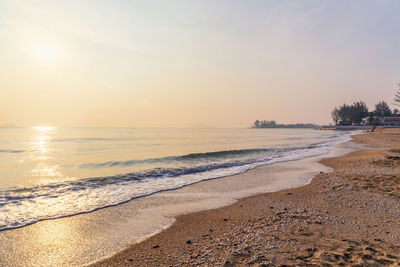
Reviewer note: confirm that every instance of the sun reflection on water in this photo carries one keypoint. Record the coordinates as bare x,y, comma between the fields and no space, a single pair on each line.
51,242
43,170
41,143
44,128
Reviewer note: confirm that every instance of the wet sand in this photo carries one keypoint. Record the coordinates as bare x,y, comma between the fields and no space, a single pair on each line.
346,217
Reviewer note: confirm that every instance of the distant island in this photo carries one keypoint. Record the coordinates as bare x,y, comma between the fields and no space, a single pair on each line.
9,125
272,124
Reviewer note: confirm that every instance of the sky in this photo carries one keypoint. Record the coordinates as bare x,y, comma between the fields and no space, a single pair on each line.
193,63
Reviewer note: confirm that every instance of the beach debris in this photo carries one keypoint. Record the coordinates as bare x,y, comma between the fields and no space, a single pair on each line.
317,221
189,242
308,253
225,219
156,246
229,264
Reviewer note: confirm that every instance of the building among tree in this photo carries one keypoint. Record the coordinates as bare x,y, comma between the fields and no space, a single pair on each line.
391,121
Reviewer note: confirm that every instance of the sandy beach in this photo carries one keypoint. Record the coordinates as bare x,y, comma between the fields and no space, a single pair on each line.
345,217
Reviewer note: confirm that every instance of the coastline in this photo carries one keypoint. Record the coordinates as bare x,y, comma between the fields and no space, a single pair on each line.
85,238
347,216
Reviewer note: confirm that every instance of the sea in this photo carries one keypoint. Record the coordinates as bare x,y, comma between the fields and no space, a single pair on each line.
50,172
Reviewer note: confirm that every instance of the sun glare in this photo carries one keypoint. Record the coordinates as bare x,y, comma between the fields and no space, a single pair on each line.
46,52
44,128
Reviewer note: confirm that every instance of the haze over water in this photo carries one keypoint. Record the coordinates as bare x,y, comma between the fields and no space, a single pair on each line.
47,172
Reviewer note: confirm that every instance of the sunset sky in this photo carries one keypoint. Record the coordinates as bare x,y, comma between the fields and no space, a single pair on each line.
193,63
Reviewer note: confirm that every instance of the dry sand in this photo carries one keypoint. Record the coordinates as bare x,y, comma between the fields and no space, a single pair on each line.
346,217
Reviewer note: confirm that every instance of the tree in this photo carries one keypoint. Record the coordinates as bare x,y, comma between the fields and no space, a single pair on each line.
382,109
256,124
397,97
335,115
344,115
358,112
396,112
354,114
371,118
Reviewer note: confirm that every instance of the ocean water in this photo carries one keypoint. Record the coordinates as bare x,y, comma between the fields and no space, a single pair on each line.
48,172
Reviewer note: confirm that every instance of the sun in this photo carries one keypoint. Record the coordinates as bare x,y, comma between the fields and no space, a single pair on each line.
46,52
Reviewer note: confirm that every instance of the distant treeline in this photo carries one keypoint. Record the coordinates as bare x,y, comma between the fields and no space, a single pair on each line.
358,113
273,124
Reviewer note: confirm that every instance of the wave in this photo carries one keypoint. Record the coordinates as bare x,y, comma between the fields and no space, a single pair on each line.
95,139
183,158
12,151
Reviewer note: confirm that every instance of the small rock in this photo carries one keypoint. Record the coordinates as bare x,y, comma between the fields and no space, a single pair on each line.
189,242
156,246
225,220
